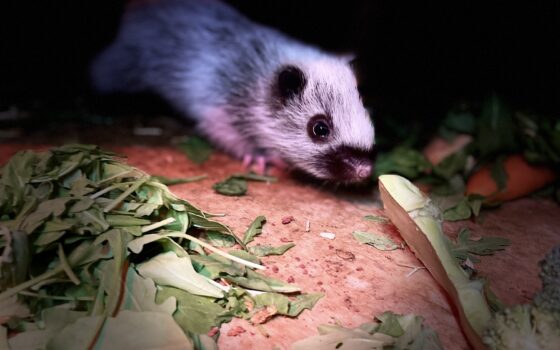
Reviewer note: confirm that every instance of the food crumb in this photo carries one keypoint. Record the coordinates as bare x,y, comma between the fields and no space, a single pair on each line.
285,240
287,219
235,331
291,279
327,235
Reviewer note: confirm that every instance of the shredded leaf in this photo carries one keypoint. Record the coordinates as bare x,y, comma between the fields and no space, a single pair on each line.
377,241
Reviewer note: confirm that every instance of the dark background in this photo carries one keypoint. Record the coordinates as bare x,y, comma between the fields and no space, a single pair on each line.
415,60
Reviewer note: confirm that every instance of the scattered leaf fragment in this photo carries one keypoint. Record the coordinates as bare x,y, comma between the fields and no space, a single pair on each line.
376,218
254,229
465,246
377,241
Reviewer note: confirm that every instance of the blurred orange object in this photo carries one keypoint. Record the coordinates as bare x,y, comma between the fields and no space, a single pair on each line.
522,179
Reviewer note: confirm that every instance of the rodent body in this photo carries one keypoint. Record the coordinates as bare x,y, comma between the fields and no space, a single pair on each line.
251,90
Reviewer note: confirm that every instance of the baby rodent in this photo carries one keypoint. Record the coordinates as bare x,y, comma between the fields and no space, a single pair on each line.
252,91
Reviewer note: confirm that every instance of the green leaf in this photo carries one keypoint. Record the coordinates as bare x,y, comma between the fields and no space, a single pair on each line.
264,283
302,302
461,211
168,269
197,150
196,314
209,225
125,220
266,250
113,269
255,177
377,241
254,229
279,301
215,266
178,180
232,186
465,247
376,218
404,161
463,207
82,204
181,223
245,255
93,217
45,238
129,330
54,207
140,295
17,173
220,240
390,324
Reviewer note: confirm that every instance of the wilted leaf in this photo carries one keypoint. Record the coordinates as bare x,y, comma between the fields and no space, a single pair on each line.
196,314
279,301
375,240
266,250
376,218
140,295
465,247
254,229
256,281
220,240
232,186
302,302
214,266
404,161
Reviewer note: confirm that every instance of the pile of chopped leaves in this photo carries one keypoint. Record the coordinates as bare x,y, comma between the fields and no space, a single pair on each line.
96,253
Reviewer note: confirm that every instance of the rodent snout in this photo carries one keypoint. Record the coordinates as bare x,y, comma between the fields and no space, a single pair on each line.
349,164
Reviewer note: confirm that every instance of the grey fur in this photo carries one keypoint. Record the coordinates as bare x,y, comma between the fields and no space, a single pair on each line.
219,68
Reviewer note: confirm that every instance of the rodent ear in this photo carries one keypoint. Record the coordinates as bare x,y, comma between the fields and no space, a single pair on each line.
291,82
348,57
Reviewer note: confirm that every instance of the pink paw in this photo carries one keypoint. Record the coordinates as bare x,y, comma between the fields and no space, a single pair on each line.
259,164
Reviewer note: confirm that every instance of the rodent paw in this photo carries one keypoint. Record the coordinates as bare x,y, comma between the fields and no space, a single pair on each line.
260,163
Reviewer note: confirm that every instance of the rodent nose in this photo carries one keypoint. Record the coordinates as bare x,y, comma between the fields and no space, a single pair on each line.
363,171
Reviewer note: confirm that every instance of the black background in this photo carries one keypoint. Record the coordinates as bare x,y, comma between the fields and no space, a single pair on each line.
415,59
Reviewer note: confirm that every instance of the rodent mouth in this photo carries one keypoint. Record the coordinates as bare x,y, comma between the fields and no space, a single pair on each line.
346,164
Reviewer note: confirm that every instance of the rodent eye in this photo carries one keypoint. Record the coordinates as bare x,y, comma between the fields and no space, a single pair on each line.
319,128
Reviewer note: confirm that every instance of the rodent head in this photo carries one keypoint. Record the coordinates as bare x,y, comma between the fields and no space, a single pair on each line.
319,124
